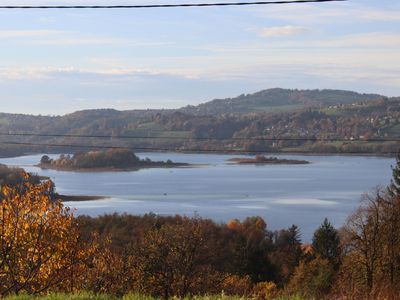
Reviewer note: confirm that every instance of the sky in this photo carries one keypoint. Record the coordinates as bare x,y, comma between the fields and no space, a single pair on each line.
55,62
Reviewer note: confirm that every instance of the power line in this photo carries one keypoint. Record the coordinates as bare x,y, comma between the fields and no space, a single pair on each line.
183,150
271,139
163,5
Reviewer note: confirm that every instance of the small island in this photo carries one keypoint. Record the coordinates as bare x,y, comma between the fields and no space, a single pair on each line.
262,160
109,160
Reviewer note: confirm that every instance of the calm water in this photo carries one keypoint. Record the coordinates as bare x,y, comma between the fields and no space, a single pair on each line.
285,194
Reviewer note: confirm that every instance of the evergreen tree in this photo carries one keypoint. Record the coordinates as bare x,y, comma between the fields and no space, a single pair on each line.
394,187
326,242
287,254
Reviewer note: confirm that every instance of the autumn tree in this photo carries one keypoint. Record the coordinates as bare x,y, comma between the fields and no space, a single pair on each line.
235,285
40,245
391,241
312,279
364,229
371,240
111,271
174,260
287,252
252,244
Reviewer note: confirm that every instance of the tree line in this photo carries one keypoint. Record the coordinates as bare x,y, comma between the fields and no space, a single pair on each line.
305,114
44,248
106,159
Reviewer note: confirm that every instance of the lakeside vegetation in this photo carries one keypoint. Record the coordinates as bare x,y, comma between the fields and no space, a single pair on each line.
13,176
274,120
263,160
45,249
109,160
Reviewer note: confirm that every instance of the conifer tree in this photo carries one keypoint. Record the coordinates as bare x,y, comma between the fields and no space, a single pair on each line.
326,243
394,187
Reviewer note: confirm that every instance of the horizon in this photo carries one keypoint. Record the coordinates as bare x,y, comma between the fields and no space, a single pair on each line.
200,103
56,62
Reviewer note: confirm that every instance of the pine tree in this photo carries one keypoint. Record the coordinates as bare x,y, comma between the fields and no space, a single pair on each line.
394,187
326,243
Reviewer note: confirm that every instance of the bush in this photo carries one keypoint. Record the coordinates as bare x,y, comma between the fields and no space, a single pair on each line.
265,290
312,279
236,285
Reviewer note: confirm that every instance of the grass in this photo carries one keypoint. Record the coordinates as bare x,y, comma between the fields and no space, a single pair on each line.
274,109
392,130
79,296
156,130
91,296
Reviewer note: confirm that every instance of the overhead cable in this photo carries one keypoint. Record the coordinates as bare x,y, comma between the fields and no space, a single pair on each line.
177,5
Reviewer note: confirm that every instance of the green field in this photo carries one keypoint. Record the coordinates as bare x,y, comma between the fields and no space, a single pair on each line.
152,129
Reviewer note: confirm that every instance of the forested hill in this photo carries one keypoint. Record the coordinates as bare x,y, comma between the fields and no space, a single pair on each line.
275,100
231,124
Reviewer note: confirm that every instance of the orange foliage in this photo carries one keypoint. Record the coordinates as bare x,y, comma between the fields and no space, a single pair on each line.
111,272
237,286
40,245
234,225
265,290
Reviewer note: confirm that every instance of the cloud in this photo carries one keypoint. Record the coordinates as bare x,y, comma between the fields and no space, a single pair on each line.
17,34
300,201
53,37
279,31
345,12
382,40
49,37
63,90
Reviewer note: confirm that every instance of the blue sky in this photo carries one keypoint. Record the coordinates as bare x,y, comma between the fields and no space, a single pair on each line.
57,62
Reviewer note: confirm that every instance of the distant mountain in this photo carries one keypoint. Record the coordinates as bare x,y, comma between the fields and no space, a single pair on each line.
278,100
236,123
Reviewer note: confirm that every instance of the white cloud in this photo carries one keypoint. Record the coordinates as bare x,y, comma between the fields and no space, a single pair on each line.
66,89
17,34
279,31
373,39
50,37
300,201
345,12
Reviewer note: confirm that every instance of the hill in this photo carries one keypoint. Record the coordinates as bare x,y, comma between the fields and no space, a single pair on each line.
239,124
277,100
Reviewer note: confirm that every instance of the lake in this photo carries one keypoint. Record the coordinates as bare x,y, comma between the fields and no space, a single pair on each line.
331,186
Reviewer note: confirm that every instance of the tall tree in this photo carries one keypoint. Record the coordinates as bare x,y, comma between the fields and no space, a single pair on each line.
251,249
394,187
174,260
326,243
287,252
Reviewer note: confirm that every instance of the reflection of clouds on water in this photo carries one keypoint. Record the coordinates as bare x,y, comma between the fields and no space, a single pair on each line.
187,197
300,201
190,206
76,205
102,203
329,187
122,183
251,207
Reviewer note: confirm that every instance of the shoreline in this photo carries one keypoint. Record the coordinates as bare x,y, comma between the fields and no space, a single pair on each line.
238,152
266,161
79,198
114,169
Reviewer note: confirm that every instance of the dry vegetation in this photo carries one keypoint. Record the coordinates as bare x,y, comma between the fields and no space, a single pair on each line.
45,249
